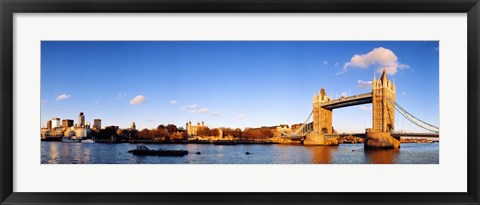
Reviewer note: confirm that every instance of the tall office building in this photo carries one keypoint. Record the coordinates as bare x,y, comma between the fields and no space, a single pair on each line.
132,126
81,120
67,123
49,124
97,124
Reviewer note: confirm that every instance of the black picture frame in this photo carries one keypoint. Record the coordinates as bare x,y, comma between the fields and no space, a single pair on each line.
10,7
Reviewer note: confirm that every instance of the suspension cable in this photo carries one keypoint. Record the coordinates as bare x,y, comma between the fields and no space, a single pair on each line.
412,118
300,129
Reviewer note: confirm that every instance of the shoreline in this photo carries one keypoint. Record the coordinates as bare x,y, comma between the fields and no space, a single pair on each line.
235,142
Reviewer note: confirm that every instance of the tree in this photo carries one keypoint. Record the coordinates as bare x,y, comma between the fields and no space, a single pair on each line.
161,131
161,127
144,134
203,131
214,132
171,128
248,135
237,133
266,133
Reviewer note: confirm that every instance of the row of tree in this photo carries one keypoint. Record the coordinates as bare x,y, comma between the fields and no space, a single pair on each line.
259,133
205,131
163,132
249,134
172,132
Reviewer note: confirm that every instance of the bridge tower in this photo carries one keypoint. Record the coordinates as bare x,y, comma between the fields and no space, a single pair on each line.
322,118
322,122
383,119
383,115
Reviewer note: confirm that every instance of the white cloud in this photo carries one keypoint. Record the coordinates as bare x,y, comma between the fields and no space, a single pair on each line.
344,94
63,97
380,57
325,62
189,107
137,100
364,84
336,64
241,116
404,93
173,102
203,110
120,95
364,107
44,101
216,112
192,111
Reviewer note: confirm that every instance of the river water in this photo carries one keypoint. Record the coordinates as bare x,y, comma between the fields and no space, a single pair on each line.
99,153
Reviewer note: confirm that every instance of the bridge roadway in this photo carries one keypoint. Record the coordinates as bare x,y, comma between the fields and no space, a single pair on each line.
358,100
396,134
348,101
363,135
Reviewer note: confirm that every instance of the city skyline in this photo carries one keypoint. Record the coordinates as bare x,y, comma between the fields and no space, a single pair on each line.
233,84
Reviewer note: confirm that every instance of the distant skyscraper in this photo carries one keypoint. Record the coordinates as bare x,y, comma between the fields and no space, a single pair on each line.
67,123
55,122
49,124
132,126
81,120
97,124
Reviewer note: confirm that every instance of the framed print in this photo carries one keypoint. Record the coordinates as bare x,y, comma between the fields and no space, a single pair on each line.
239,102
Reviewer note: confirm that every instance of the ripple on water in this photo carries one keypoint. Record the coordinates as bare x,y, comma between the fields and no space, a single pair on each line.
99,153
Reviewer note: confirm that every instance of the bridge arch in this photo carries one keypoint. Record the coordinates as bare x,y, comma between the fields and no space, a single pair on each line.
390,128
324,131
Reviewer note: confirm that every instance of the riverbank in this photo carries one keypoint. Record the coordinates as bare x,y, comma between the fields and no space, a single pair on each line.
233,142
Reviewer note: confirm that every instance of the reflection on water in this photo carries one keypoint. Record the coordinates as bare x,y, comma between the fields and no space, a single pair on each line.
53,154
98,153
322,154
382,156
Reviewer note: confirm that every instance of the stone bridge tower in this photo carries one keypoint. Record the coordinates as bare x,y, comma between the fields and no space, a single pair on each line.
322,118
383,115
383,119
322,122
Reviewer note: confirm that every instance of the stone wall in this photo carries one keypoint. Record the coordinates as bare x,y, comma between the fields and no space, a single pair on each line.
381,140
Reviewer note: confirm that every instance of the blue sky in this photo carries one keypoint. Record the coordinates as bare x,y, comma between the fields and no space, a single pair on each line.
232,83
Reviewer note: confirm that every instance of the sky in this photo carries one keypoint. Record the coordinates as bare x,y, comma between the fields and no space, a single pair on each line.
233,84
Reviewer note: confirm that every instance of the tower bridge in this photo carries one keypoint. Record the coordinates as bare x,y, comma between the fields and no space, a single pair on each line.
348,101
382,133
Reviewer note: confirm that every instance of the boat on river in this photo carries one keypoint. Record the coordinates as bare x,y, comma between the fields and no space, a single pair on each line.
87,141
71,139
224,142
143,150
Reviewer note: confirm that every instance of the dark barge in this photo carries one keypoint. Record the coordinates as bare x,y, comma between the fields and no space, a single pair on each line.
142,151
224,142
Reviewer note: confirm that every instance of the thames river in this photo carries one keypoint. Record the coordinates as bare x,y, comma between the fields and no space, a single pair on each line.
99,153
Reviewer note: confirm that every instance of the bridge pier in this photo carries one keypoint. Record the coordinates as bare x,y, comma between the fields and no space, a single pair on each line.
313,139
381,140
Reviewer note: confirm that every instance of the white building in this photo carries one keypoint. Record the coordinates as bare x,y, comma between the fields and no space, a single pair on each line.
82,132
56,122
